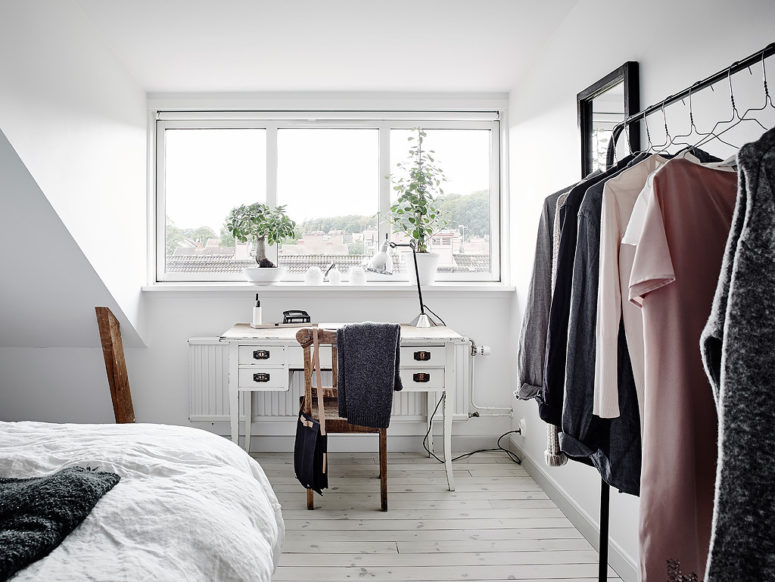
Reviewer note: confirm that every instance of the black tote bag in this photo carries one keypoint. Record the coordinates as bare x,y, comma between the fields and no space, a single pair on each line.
311,445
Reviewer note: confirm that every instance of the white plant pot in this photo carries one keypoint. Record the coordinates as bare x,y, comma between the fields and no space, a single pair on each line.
261,274
427,263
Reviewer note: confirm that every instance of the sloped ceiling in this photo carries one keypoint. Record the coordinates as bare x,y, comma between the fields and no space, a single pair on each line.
48,289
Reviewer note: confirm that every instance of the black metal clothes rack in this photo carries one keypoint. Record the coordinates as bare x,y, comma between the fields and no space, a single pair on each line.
735,67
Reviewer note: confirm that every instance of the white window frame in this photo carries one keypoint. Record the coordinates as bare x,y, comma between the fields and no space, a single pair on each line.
382,121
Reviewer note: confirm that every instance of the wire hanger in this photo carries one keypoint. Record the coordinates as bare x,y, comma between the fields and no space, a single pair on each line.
740,118
734,120
628,133
676,140
611,141
767,98
661,148
649,144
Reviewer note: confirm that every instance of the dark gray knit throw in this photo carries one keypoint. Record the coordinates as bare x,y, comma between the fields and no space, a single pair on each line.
368,358
37,514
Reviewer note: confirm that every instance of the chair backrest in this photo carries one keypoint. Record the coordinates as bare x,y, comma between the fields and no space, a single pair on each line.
325,338
115,365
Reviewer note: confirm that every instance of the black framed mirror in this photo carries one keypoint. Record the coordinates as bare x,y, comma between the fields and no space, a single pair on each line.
600,107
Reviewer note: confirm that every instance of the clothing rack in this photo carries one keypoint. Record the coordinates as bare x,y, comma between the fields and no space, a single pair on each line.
725,73
735,67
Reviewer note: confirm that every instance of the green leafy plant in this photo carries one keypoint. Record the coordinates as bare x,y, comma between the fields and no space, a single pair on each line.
262,223
416,212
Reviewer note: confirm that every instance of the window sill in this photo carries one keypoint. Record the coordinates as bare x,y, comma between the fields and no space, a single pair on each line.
403,288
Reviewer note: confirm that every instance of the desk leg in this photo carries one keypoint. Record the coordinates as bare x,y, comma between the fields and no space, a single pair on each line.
248,396
448,412
233,394
431,397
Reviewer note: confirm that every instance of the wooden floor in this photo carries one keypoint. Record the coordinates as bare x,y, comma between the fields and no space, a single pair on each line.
498,525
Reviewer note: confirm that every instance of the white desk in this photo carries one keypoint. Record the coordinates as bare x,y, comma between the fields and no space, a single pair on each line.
262,360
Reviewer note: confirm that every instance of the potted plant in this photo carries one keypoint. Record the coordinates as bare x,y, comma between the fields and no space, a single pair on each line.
260,223
416,211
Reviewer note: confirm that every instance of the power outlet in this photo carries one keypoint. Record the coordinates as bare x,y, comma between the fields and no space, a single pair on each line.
522,427
481,351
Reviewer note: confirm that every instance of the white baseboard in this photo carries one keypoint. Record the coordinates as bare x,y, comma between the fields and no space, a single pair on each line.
587,526
276,435
362,443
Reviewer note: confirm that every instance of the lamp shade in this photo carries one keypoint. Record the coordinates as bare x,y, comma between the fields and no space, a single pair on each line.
382,262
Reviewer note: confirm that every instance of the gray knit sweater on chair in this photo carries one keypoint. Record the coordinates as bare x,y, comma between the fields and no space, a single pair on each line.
738,349
368,359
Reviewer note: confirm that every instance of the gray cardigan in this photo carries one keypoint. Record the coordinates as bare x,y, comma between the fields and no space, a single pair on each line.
738,349
368,362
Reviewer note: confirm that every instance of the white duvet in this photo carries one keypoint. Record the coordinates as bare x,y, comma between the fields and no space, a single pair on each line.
190,505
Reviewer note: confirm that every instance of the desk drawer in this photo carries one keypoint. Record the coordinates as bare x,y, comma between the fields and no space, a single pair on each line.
422,379
263,378
261,355
296,357
422,356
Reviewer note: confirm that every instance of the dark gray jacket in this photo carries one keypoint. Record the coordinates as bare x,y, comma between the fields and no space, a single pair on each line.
551,397
737,349
532,339
613,446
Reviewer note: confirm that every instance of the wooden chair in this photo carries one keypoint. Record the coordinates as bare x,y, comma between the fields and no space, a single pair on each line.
334,422
115,365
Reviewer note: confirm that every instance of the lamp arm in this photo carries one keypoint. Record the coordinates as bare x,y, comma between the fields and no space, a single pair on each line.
412,246
417,276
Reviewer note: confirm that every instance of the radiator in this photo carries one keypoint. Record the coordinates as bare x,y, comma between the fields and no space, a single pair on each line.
208,389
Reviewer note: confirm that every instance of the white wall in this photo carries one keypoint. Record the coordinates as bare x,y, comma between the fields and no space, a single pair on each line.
676,43
78,122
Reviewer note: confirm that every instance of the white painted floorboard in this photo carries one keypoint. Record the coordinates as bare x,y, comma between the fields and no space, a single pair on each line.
498,525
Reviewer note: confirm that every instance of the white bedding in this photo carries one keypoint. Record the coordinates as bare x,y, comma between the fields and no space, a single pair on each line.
190,505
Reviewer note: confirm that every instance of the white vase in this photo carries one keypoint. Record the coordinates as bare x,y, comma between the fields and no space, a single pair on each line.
261,274
313,276
427,264
357,276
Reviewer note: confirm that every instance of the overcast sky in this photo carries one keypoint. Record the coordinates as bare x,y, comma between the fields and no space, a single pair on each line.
321,172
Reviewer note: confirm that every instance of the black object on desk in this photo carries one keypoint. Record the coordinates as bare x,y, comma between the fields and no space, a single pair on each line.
296,316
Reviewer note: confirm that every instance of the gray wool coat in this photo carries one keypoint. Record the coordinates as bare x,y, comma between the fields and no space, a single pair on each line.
738,349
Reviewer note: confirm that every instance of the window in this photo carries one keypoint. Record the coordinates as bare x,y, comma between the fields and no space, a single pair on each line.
463,243
328,181
207,172
332,173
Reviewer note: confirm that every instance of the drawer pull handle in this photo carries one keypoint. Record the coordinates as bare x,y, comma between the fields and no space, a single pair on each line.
260,377
261,354
422,356
421,377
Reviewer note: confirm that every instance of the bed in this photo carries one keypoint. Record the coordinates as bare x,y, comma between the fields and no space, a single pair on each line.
190,505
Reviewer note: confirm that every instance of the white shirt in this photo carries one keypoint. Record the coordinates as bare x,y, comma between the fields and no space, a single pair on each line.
620,194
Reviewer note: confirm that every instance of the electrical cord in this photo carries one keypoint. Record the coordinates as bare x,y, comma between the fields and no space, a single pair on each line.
471,378
434,314
498,446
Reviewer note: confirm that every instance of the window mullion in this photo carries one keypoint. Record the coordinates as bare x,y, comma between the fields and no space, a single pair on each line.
384,182
495,205
271,165
271,180
161,204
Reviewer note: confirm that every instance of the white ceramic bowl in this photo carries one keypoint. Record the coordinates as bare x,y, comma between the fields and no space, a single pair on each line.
261,274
